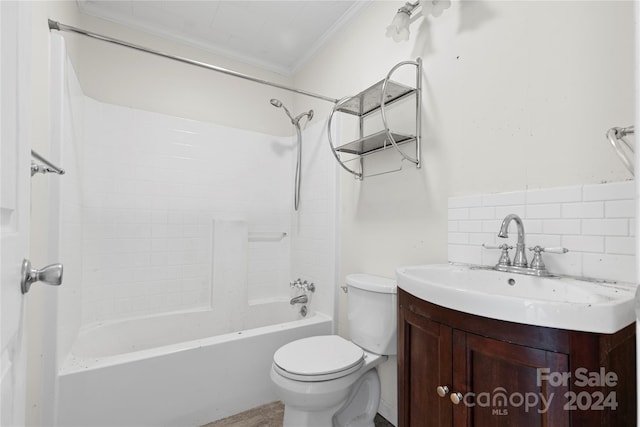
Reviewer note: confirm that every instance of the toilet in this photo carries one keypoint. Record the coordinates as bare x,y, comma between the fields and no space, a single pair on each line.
329,381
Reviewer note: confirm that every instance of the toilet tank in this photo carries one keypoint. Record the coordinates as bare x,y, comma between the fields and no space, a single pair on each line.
372,312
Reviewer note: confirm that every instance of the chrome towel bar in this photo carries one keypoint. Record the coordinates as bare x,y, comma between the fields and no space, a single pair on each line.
47,168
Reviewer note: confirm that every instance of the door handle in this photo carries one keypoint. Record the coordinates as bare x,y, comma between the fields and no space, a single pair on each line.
51,275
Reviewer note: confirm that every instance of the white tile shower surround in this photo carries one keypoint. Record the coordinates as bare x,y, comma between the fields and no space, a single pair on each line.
595,222
154,199
159,193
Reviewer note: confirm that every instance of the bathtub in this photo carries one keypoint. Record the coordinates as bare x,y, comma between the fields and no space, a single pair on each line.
128,374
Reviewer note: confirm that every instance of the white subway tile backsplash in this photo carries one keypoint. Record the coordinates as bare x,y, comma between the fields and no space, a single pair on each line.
489,226
612,191
583,210
543,211
502,211
584,243
544,240
595,222
482,213
458,214
609,266
459,238
480,238
561,226
620,245
570,263
553,195
619,208
504,199
605,227
470,226
535,226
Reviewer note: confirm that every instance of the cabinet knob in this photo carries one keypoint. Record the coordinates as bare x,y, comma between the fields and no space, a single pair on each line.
456,397
442,390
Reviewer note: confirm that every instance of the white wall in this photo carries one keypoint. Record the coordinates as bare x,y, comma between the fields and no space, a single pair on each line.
517,95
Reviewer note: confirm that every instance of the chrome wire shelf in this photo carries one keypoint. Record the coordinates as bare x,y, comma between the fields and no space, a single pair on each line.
374,99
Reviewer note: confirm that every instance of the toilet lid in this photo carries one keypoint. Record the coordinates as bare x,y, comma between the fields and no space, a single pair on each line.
318,358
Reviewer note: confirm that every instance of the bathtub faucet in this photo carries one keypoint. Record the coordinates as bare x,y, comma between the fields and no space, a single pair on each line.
304,285
300,299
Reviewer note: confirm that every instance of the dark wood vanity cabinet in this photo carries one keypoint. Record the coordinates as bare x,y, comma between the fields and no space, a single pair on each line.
509,374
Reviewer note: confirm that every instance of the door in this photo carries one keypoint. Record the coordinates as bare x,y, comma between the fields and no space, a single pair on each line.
424,371
15,48
501,384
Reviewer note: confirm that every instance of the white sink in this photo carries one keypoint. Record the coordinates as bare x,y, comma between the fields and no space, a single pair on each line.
557,302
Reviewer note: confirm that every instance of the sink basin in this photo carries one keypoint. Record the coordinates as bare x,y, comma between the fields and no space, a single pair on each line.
556,302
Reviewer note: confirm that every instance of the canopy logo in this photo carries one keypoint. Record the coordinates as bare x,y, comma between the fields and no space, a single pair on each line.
501,401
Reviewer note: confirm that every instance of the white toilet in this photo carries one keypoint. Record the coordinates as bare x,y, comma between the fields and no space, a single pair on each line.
328,381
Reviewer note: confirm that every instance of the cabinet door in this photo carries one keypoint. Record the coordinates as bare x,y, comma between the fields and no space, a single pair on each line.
503,384
424,363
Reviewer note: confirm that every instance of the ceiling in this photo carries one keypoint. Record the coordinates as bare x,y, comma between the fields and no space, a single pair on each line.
276,35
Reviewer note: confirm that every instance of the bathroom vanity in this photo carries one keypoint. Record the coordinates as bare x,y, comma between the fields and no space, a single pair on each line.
461,369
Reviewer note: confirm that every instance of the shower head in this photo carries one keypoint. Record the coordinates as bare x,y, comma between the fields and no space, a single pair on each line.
278,104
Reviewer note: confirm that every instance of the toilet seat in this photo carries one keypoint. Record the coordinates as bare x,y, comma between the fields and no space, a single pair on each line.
319,358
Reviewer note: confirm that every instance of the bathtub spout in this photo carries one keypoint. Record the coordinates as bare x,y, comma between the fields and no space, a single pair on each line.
300,299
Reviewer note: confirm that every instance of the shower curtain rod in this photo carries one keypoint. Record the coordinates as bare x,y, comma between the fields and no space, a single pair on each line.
54,25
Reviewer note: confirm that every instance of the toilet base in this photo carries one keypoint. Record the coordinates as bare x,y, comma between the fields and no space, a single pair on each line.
296,418
357,410
362,405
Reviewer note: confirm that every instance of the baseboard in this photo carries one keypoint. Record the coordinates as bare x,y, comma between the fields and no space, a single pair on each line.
390,412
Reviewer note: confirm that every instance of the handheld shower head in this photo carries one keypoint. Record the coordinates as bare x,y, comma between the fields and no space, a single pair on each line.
296,123
278,104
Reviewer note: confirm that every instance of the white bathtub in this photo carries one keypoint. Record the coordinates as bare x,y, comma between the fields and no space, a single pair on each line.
175,370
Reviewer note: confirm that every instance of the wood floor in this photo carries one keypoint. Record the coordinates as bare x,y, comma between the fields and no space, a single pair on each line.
269,415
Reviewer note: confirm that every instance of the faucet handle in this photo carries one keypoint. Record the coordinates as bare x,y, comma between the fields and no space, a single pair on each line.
504,256
503,246
296,283
536,262
556,250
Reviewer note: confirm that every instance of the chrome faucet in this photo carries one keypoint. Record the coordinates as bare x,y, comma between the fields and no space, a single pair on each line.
520,258
519,264
300,299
